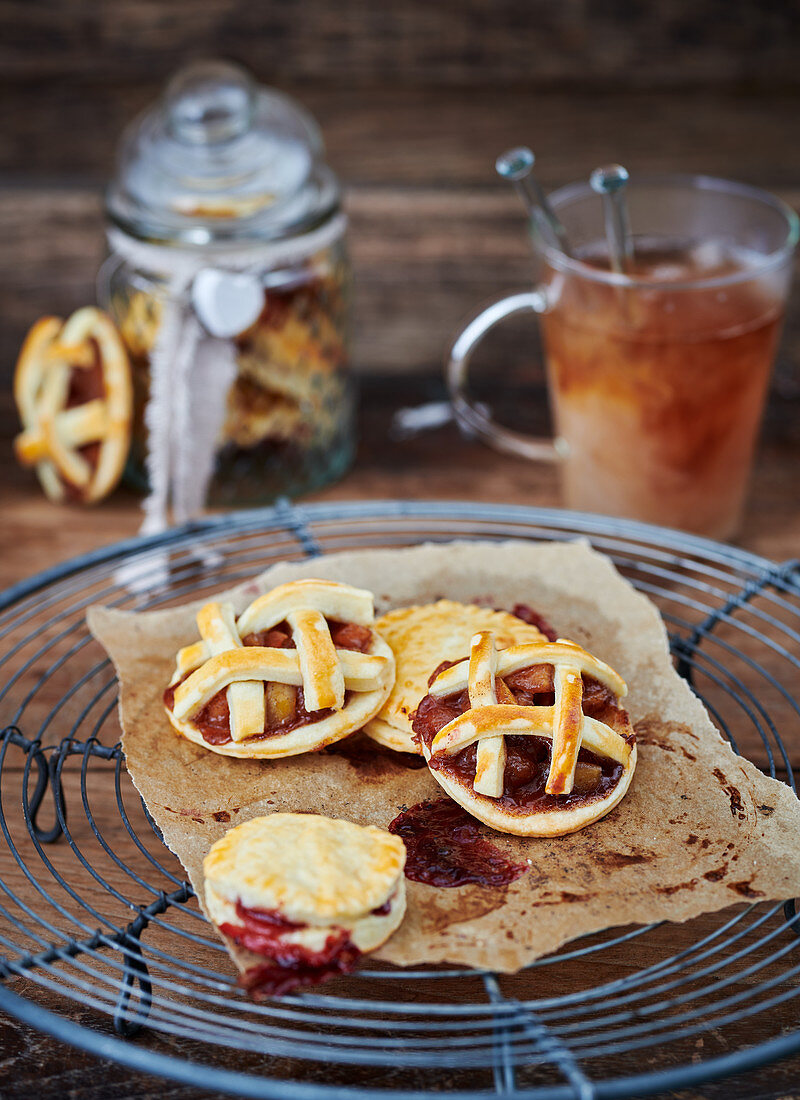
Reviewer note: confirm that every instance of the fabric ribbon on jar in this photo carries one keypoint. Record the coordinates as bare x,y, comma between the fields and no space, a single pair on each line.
193,359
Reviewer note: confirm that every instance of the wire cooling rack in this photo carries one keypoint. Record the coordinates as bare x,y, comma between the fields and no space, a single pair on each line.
103,944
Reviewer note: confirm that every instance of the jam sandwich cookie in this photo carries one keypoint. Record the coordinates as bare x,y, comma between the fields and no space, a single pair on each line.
305,893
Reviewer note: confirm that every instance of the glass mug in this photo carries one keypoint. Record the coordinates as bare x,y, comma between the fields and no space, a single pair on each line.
657,377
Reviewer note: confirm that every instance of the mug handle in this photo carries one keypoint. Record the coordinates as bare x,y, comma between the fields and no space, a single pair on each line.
457,373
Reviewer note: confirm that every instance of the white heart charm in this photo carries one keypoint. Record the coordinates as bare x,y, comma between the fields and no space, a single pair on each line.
226,302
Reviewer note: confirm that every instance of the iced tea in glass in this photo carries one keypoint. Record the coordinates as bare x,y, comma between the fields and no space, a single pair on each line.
658,376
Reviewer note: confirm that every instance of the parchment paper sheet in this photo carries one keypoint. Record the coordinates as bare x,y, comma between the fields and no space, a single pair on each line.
700,829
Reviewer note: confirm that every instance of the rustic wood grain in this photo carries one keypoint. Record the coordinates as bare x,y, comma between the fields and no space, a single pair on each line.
365,41
438,136
433,231
436,465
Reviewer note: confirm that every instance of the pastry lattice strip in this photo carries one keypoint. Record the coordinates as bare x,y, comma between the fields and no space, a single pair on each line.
53,434
494,715
220,661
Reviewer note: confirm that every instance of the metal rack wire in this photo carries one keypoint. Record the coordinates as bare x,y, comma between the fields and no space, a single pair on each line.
102,940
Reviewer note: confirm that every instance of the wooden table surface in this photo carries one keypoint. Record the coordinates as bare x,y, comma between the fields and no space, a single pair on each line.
35,534
437,465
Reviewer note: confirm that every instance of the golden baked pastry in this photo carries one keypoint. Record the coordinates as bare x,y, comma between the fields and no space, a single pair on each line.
299,669
421,639
139,321
530,740
309,894
72,386
289,355
231,206
253,414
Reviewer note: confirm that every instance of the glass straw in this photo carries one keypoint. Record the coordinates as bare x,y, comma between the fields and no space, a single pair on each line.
610,181
516,165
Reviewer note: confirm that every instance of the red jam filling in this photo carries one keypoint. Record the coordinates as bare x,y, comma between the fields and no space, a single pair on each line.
290,965
444,847
85,384
528,758
368,755
533,618
213,720
273,980
270,918
385,909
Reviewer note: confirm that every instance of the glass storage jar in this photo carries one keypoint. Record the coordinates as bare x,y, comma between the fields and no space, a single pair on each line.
229,281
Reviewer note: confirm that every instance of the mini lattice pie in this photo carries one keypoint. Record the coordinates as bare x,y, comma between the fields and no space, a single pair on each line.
421,638
299,669
530,740
308,894
72,387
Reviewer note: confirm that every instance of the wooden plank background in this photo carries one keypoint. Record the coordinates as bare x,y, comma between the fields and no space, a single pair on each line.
472,43
415,99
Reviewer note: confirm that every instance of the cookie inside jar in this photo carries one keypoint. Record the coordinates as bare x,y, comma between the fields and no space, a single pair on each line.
288,422
290,409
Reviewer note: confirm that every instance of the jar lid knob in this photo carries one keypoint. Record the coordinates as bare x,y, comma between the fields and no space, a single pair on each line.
210,102
218,159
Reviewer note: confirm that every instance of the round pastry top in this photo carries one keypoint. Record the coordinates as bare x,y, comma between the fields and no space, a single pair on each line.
309,868
221,159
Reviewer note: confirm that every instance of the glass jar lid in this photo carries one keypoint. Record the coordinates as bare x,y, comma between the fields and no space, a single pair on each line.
218,159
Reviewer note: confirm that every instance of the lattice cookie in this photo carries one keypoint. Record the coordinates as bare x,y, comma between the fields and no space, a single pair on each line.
530,740
299,669
72,387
